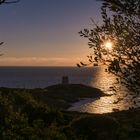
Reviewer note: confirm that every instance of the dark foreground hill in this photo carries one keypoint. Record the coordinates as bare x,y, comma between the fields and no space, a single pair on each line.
62,96
28,114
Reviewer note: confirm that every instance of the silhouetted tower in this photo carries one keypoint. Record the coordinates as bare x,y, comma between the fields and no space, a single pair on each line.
65,80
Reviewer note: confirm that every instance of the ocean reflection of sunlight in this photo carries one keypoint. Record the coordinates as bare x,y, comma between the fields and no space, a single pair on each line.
114,102
103,80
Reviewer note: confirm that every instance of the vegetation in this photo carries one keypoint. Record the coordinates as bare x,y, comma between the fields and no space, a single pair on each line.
116,41
39,114
25,116
8,2
58,96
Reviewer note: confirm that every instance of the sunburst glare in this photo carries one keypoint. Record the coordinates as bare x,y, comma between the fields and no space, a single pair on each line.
108,45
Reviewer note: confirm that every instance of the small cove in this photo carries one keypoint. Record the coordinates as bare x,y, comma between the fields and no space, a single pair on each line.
119,99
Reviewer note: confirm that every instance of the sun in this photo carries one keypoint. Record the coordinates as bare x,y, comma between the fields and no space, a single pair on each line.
108,45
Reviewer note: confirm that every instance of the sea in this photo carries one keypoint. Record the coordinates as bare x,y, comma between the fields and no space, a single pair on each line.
41,77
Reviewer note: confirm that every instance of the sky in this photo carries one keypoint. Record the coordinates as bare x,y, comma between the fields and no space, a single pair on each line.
45,32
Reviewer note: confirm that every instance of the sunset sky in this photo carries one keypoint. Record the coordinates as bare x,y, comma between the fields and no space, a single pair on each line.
45,32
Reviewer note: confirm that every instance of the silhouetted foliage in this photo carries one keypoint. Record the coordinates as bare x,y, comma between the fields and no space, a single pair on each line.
8,1
1,43
121,26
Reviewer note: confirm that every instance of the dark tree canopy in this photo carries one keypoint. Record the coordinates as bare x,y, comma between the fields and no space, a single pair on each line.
127,7
121,26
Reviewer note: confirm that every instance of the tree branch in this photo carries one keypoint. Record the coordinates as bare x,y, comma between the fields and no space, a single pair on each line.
8,2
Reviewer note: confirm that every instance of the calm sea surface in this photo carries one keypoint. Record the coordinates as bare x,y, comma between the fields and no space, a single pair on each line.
34,77
40,77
